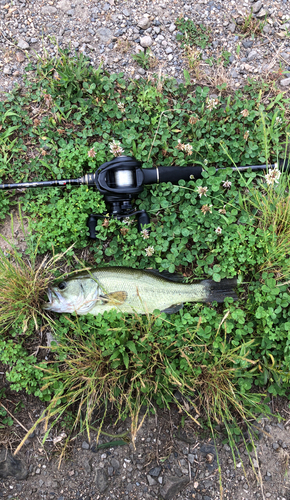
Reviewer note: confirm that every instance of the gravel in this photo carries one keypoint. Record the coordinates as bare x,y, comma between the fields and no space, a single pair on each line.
100,29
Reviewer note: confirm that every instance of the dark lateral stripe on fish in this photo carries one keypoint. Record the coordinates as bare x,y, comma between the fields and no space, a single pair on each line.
219,291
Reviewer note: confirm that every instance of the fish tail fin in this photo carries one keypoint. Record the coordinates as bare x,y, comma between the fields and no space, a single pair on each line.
219,291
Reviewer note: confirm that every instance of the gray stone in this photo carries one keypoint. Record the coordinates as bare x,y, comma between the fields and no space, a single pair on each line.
70,12
257,6
22,44
104,34
34,40
141,71
232,27
63,4
110,471
168,50
172,486
126,12
255,463
155,471
286,55
38,471
51,483
107,7
85,445
11,466
144,23
146,41
285,82
115,463
151,481
86,465
101,480
275,446
267,29
172,28
247,44
7,70
234,74
190,458
48,10
252,55
262,13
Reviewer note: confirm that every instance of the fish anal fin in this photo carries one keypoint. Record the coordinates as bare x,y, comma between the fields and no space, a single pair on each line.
173,309
114,298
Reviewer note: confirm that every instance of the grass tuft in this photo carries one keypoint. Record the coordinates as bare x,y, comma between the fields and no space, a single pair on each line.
24,280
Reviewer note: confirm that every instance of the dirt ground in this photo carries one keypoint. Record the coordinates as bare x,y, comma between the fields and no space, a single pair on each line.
170,460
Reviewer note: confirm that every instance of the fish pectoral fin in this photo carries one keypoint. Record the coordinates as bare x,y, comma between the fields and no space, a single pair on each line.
173,309
114,298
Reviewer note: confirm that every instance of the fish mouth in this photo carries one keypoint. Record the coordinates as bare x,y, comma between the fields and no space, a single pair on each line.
53,297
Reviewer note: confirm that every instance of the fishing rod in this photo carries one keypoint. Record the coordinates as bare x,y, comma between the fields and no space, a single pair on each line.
123,178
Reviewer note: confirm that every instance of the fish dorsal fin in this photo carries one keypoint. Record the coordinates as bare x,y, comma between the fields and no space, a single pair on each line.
178,278
114,298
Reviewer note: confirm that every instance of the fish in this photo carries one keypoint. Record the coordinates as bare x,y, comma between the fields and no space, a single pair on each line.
132,291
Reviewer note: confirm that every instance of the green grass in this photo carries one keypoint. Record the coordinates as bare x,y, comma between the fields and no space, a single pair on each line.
218,356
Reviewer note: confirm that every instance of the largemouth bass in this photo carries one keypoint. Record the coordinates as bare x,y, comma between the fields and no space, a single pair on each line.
132,291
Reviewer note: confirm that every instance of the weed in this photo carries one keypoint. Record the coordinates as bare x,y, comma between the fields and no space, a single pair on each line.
271,208
23,283
193,56
67,121
134,362
192,34
252,26
145,59
123,46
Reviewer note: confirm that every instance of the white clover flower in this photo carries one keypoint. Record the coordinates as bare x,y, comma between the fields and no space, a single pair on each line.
188,149
205,162
121,106
273,176
149,251
278,120
202,190
218,230
206,208
115,148
245,113
212,103
227,184
92,153
223,210
145,234
184,147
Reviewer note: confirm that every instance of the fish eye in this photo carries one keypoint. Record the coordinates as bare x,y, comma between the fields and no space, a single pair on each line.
62,285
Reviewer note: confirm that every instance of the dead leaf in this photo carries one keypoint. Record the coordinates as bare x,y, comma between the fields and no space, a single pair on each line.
59,438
